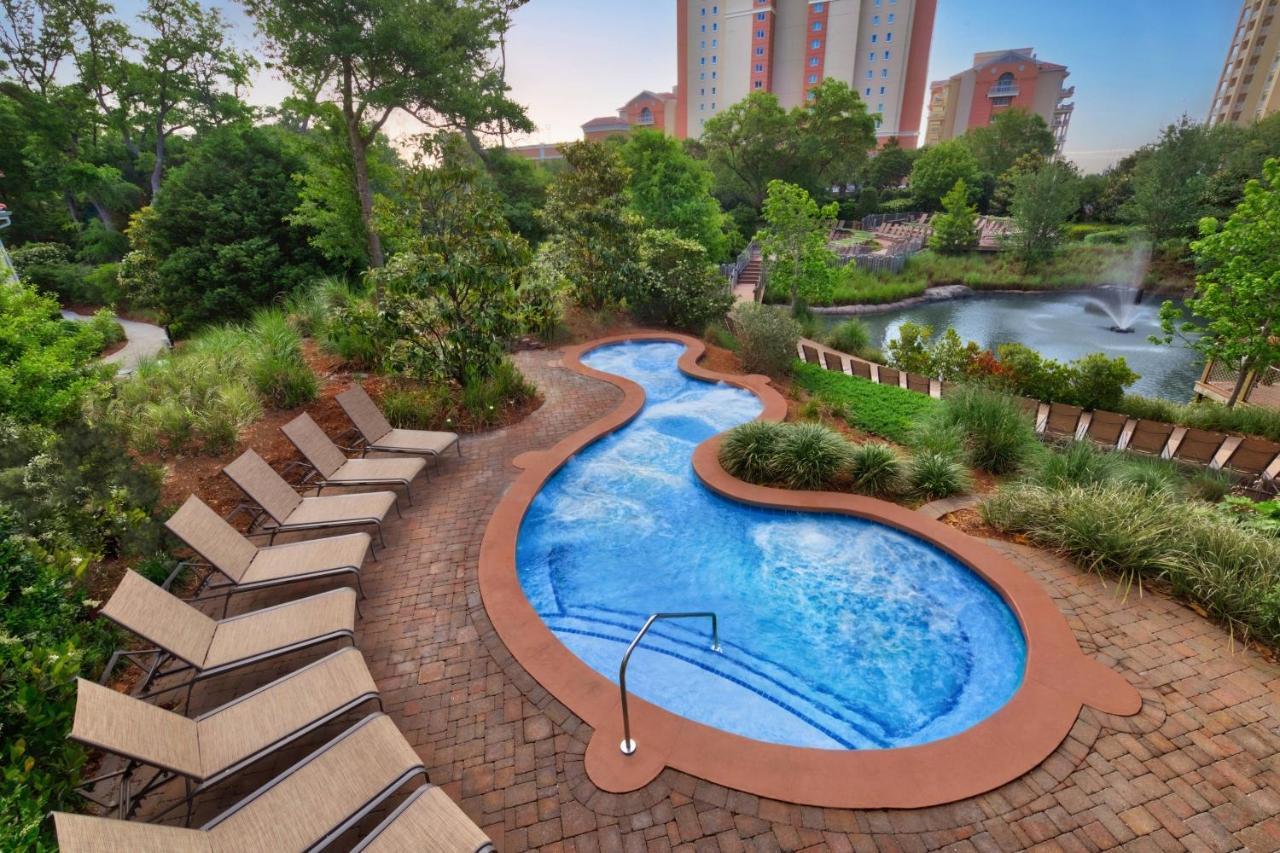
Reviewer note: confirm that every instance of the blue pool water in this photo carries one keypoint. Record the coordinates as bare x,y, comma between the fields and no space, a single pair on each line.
837,632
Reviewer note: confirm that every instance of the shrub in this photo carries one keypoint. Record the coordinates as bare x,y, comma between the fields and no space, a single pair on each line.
101,285
1098,382
722,337
851,336
747,451
280,373
1077,464
999,438
1262,516
809,456
1230,571
48,267
105,325
1150,476
883,410
416,408
541,304
478,403
679,287
1209,486
934,436
931,476
875,469
768,338
1112,237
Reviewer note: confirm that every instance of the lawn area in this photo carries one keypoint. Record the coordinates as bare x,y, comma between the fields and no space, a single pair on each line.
879,409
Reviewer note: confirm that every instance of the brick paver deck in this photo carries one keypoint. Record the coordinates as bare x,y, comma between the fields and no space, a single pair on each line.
1198,768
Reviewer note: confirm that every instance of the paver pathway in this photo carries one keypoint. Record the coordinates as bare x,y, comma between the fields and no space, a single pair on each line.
1198,768
142,341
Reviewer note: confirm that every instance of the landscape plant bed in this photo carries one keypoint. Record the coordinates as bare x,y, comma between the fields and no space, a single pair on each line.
883,410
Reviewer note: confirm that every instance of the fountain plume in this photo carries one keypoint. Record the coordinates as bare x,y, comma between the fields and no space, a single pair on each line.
1123,280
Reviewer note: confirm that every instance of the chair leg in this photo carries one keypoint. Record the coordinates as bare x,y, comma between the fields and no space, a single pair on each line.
381,537
360,586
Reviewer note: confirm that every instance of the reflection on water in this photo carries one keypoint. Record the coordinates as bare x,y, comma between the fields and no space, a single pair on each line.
1064,326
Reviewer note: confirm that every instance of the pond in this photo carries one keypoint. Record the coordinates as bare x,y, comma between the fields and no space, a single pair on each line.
1064,326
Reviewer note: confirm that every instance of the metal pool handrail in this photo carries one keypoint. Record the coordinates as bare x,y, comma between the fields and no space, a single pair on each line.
628,745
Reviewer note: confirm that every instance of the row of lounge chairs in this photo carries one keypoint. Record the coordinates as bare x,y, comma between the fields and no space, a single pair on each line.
1254,461
332,794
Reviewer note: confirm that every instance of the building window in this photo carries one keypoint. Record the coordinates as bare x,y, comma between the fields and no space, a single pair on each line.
702,76
813,78
713,75
702,60
715,10
817,26
715,28
815,44
890,18
759,67
716,43
759,84
713,62
886,53
646,116
867,92
879,108
704,44
702,91
871,57
875,20
704,11
884,72
813,62
817,8
713,90
888,36
870,74
704,28
759,34
759,16
759,51
713,105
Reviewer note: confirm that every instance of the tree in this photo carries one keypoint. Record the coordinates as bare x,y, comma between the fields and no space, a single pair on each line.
955,230
756,141
522,188
1011,134
185,66
794,243
35,37
432,60
889,167
938,168
680,286
1042,201
218,241
1238,293
672,190
1002,197
450,288
1169,181
594,233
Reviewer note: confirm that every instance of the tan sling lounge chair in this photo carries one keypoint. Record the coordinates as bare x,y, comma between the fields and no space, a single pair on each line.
291,512
214,746
308,807
379,436
247,567
1199,446
330,467
1150,437
1063,420
187,641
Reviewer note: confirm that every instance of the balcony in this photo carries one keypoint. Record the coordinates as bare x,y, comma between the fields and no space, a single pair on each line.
1066,93
1002,92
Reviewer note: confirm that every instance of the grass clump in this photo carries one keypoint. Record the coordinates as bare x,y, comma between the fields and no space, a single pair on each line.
747,451
998,437
809,456
875,469
1230,571
851,336
883,410
1079,463
477,404
930,475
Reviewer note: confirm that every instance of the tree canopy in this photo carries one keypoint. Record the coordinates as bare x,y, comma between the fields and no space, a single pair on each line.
672,190
794,242
938,168
955,229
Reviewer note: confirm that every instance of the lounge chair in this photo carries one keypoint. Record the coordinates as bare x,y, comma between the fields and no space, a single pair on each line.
1150,437
832,361
307,807
860,368
427,820
1030,407
1199,446
186,640
330,467
919,384
246,567
1252,457
291,512
216,745
1062,420
810,354
379,436
1105,428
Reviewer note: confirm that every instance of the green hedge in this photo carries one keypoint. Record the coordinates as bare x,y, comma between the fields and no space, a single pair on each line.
883,410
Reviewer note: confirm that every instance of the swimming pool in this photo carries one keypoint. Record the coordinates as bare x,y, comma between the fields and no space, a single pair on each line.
837,632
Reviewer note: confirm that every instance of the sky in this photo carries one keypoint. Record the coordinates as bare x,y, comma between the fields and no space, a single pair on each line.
1137,65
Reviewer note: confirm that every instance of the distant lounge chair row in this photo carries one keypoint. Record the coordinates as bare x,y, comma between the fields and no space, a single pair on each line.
1254,460
331,792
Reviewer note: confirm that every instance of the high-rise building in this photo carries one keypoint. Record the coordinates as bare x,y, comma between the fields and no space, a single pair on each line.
730,48
1247,89
999,80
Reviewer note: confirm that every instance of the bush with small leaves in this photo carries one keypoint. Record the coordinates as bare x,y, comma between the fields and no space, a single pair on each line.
875,469
999,438
851,336
767,338
747,451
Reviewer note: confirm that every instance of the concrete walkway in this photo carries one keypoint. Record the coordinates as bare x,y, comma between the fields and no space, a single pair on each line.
143,340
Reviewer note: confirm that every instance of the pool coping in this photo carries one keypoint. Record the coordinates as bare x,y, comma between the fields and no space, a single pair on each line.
1058,681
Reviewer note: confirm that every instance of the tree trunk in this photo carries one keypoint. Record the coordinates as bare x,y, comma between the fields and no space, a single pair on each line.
157,172
104,214
1245,370
73,210
355,137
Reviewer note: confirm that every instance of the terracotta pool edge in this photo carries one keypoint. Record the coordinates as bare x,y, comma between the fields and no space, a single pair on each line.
1058,681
